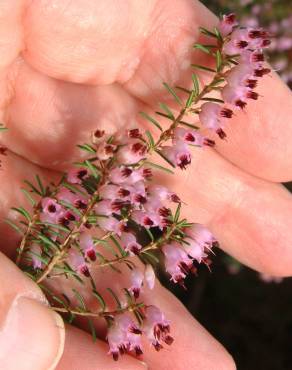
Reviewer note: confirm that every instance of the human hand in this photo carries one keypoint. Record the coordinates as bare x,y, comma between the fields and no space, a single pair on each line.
86,64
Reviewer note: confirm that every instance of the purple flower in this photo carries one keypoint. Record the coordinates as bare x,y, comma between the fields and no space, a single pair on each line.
87,245
156,327
227,24
78,263
125,175
35,251
76,175
137,278
238,97
212,116
238,42
177,262
124,336
132,153
178,154
199,240
130,243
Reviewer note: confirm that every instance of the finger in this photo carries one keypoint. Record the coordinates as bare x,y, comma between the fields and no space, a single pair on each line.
259,138
184,337
262,132
81,352
73,34
31,335
249,216
193,347
61,116
11,35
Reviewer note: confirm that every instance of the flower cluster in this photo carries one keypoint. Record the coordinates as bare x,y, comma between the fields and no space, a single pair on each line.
108,210
275,17
124,335
240,63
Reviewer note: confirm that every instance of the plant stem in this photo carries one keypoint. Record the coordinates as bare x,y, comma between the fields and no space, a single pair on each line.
129,308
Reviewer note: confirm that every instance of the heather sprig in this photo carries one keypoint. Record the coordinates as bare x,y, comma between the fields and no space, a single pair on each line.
108,211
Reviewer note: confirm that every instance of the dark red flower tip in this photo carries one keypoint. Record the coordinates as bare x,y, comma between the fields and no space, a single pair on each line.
230,18
136,292
82,173
3,150
242,44
63,221
52,208
164,212
126,172
123,192
251,83
118,204
84,271
134,133
91,254
239,103
260,72
70,216
157,346
190,137
258,57
255,34
138,351
147,173
168,340
227,113
109,148
135,330
147,221
80,204
184,161
139,148
221,133
140,199
209,142
135,249
266,42
252,95
175,198
115,356
124,227
99,133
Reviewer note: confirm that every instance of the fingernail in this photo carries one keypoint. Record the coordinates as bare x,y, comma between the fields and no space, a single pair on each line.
31,336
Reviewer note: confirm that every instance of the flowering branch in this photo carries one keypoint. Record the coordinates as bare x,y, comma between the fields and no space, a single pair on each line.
111,193
66,245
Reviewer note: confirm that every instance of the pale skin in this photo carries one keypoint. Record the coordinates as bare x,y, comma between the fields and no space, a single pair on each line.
68,67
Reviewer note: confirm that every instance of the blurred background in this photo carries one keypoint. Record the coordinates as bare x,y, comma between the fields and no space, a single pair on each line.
250,314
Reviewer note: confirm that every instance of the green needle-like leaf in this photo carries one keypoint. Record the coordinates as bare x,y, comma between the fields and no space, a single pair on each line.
167,110
151,119
23,212
113,294
203,68
173,93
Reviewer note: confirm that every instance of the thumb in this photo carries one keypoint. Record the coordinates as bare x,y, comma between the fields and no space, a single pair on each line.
31,335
